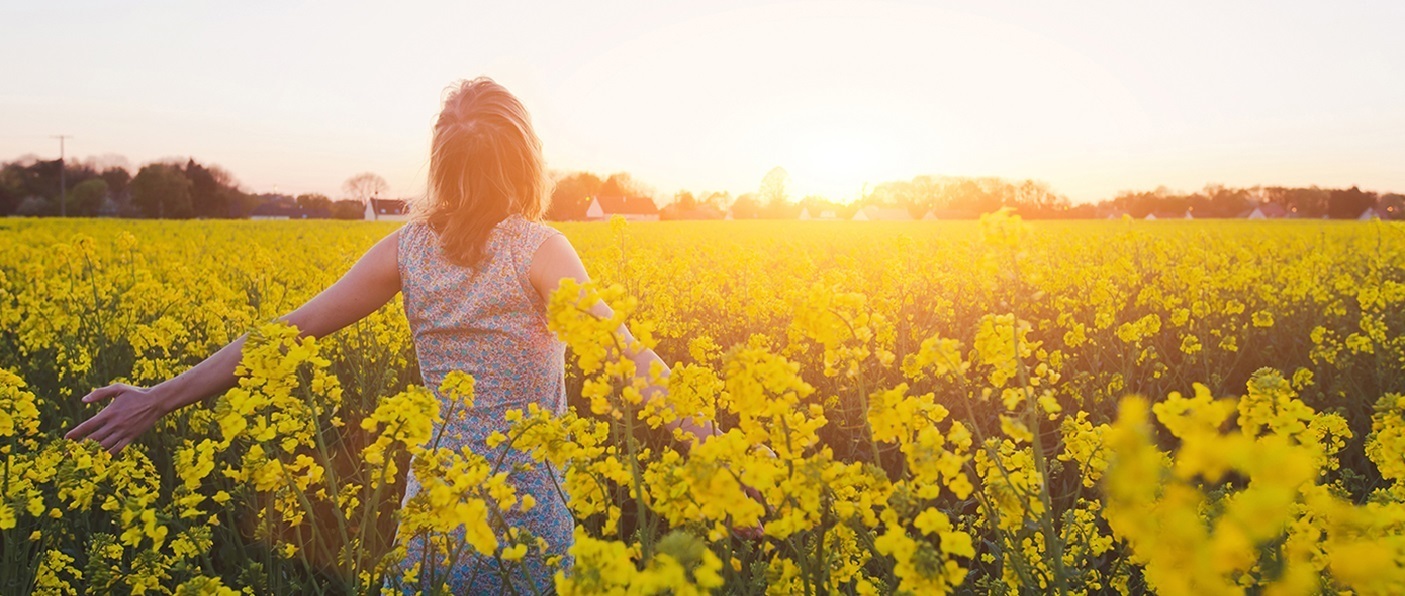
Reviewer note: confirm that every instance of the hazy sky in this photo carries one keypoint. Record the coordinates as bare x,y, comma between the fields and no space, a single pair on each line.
1091,97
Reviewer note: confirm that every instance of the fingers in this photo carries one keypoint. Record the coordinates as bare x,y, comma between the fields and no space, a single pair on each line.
87,427
102,434
114,444
107,392
109,437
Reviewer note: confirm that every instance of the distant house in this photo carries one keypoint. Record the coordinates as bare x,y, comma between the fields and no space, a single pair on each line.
875,213
636,209
109,207
1169,215
1117,214
387,209
286,210
1369,214
825,214
1265,211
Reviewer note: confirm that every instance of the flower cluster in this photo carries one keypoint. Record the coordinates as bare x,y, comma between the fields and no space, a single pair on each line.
921,407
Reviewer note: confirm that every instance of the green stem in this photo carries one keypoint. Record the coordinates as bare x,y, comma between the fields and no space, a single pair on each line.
1031,413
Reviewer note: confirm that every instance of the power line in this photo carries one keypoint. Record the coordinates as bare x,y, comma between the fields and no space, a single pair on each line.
63,182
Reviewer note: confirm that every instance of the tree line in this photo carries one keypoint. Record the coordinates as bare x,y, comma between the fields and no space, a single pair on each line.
185,188
1217,200
773,199
171,189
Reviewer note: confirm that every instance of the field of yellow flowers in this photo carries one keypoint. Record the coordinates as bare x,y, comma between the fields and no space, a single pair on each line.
917,407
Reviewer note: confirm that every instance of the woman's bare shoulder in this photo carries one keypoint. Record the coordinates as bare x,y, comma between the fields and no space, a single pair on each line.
553,260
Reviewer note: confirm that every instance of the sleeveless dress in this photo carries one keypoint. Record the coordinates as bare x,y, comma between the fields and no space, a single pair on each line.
490,324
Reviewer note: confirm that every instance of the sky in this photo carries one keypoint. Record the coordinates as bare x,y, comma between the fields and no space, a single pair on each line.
1092,98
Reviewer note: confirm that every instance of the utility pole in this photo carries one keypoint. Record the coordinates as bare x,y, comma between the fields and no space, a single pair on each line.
63,182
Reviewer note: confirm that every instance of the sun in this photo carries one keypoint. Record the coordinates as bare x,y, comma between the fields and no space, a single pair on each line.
838,164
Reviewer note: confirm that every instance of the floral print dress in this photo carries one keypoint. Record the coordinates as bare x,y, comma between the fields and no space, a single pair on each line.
490,323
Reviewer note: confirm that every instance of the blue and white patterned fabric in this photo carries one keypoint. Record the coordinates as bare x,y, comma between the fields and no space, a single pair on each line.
490,323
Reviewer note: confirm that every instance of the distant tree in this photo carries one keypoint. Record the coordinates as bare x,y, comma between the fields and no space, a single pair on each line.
818,205
746,207
241,204
621,184
978,195
685,205
1035,200
348,210
117,179
365,186
685,201
11,187
315,202
616,185
774,194
1349,203
85,198
889,194
928,192
162,190
37,178
106,161
571,195
1081,211
1228,202
206,200
718,200
1303,202
29,176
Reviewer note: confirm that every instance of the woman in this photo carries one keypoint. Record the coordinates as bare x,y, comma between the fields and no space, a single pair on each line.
476,267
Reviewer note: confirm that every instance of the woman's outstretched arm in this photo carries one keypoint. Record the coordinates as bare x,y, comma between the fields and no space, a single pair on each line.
370,283
555,260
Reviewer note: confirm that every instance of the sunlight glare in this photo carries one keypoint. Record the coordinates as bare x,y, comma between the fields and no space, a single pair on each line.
837,164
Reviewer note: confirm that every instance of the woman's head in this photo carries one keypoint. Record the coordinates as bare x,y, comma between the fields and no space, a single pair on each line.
485,163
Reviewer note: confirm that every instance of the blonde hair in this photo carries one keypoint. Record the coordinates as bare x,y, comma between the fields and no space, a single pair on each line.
485,163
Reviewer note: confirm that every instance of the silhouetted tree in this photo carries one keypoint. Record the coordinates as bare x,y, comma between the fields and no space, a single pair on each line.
746,207
1349,203
718,200
162,190
348,210
621,184
365,186
1228,202
774,194
571,195
1301,202
117,179
685,201
1036,200
205,197
85,198
315,203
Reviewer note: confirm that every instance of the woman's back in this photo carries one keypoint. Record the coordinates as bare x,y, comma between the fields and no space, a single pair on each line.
490,323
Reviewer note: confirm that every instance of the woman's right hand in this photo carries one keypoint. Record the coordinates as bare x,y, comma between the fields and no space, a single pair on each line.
131,412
